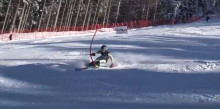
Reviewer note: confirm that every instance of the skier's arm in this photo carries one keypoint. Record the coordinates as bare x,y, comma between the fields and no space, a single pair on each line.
98,52
93,54
112,60
111,57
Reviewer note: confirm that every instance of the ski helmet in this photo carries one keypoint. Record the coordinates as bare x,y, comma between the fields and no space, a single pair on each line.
104,47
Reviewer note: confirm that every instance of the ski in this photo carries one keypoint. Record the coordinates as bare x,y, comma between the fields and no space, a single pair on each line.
92,67
80,69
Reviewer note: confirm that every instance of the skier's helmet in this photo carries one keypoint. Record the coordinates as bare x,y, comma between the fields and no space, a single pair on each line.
104,47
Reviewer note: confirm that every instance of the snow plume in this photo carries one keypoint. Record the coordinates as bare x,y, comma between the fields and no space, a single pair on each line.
161,63
81,63
128,59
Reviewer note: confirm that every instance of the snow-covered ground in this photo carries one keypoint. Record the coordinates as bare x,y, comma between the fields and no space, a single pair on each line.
161,67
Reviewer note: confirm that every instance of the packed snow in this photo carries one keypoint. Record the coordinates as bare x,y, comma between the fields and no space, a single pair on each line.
158,67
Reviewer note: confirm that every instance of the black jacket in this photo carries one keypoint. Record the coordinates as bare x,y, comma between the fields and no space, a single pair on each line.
103,53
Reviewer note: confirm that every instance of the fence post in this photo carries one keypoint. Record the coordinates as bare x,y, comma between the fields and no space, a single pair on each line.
172,22
42,33
2,35
26,33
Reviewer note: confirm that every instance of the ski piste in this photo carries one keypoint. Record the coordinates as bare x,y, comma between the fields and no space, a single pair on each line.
93,64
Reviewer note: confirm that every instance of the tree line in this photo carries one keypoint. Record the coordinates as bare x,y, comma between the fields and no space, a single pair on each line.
18,15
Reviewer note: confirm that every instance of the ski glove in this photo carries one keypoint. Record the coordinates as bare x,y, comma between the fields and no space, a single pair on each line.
93,54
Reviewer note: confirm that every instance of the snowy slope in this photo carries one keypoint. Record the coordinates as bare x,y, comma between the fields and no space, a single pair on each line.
161,67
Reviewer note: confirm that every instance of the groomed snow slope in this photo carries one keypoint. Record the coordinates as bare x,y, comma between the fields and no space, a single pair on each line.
161,67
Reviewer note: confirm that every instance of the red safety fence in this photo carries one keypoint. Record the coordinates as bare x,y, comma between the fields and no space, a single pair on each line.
66,31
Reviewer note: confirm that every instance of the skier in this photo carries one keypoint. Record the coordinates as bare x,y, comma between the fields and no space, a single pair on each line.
10,36
105,55
207,18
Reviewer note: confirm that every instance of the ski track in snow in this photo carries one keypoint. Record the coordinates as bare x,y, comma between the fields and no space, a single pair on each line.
161,67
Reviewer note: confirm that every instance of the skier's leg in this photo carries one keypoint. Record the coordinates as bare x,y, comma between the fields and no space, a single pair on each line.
100,58
97,61
112,60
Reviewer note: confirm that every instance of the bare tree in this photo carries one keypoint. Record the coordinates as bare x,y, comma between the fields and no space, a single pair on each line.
15,16
148,9
119,5
21,18
106,9
71,15
26,17
39,26
88,21
61,23
144,10
48,21
95,18
109,10
76,19
58,12
155,13
86,15
69,12
3,27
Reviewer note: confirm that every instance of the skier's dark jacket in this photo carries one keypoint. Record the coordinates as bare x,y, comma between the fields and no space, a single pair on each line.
103,53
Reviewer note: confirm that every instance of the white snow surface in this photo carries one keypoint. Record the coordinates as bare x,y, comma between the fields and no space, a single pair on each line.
158,67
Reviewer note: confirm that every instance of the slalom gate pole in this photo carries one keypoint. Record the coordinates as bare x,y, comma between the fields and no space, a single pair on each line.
91,47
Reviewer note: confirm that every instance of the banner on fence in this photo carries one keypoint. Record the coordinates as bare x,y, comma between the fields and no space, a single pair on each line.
121,30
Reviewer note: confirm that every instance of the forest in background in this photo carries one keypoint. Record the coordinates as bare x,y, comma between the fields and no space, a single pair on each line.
18,15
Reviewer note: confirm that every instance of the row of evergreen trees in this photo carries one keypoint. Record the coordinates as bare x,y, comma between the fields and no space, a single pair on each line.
28,14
